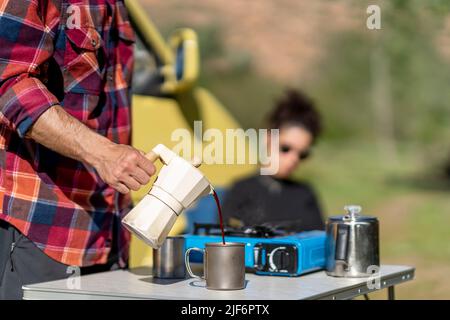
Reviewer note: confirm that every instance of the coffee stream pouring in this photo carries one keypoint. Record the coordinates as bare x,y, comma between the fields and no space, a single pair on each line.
177,186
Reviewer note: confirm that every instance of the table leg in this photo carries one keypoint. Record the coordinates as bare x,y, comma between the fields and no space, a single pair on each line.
391,293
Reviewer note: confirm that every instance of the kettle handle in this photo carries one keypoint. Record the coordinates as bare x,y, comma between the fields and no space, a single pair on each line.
152,156
166,155
161,152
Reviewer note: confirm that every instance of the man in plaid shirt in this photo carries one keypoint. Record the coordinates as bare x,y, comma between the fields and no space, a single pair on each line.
66,167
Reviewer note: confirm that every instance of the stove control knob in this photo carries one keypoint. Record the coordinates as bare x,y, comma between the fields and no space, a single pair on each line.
278,259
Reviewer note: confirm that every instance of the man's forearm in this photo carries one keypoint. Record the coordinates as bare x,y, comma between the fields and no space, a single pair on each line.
64,134
121,166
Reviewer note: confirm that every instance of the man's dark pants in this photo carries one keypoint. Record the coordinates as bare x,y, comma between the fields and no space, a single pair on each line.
22,263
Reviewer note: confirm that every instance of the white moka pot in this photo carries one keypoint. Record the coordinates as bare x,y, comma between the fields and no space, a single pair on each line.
177,186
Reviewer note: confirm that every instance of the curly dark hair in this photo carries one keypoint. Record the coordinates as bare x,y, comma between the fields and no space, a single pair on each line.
295,109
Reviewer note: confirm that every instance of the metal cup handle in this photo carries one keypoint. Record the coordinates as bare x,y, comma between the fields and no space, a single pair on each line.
188,266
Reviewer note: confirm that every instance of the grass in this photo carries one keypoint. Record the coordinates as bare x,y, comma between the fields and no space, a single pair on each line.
414,221
433,216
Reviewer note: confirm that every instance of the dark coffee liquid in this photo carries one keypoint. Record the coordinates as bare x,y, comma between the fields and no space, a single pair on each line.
216,198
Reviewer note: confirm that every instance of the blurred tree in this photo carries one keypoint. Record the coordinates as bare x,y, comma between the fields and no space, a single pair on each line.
382,101
389,85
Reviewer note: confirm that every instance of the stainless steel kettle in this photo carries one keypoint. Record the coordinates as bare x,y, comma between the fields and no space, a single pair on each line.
352,248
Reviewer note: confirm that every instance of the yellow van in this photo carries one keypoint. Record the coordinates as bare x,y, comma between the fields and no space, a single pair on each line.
166,98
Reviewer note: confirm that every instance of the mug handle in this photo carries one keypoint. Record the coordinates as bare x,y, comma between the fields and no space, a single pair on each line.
188,266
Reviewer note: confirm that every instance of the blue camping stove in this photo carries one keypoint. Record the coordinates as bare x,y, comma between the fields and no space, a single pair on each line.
267,251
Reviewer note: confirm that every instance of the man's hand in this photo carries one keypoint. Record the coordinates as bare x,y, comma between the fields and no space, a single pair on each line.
121,166
124,168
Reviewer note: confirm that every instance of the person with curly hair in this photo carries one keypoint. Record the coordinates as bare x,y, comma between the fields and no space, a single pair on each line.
277,200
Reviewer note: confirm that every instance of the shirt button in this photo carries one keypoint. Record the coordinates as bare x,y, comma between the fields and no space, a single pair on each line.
94,43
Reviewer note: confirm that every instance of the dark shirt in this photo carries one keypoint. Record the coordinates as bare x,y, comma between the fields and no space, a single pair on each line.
264,200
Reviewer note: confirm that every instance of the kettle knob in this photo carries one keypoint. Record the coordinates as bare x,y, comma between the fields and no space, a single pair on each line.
196,161
353,210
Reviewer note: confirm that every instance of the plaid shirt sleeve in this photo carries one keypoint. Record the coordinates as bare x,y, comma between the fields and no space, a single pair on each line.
26,43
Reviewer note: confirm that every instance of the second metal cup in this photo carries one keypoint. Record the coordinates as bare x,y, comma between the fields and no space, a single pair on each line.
168,260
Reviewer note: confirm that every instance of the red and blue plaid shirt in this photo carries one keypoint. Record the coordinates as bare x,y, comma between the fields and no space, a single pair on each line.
78,54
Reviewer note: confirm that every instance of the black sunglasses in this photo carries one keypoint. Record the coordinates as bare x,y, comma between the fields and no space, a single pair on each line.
302,155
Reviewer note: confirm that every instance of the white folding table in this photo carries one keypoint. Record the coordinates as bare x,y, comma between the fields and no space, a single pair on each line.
139,284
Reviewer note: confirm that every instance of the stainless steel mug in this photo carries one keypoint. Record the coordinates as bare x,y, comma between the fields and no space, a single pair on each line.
352,248
223,265
168,260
